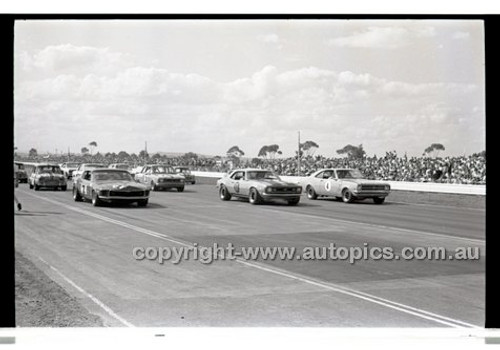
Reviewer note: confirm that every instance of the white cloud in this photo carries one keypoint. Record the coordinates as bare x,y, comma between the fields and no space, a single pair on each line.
383,37
269,38
461,35
190,112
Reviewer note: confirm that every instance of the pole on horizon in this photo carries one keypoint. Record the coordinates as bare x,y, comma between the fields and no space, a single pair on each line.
298,158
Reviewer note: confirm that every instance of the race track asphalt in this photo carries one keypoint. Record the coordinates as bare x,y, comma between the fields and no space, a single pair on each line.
88,251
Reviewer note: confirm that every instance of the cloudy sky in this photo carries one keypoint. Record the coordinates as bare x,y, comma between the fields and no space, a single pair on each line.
204,86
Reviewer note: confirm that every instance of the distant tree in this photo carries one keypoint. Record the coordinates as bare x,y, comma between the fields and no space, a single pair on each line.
143,155
434,148
92,145
190,155
353,151
263,152
123,156
156,158
33,153
256,162
84,150
235,152
309,147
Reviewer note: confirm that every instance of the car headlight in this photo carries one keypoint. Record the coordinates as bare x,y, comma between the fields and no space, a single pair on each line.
146,193
359,187
269,190
299,189
387,187
104,193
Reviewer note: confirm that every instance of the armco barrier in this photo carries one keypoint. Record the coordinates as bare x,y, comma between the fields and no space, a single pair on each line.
432,187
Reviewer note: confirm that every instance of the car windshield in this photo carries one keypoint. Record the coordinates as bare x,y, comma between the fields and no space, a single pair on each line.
94,166
72,165
121,166
349,174
261,175
112,176
184,171
162,170
49,170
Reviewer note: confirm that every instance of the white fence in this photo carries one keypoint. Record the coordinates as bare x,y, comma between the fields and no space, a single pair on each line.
395,185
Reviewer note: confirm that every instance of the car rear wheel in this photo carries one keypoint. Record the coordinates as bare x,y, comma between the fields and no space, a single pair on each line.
95,199
64,188
142,203
77,197
294,201
254,197
36,187
180,189
311,193
224,193
347,196
379,200
31,186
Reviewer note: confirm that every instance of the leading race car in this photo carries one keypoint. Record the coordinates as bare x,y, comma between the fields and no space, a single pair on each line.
160,177
346,184
109,185
68,168
258,186
48,176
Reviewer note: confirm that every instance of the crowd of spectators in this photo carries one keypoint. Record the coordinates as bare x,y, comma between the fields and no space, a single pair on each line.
460,170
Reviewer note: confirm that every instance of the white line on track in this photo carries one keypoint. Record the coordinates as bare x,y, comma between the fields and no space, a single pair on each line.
423,314
103,306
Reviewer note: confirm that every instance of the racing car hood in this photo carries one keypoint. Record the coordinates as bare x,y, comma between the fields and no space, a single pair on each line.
120,186
365,181
169,176
278,183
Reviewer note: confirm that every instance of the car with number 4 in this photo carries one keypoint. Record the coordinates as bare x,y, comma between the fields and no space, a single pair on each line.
258,186
109,186
346,184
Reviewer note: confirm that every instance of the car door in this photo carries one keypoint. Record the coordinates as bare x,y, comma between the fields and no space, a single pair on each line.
235,182
319,183
85,187
142,176
245,184
336,185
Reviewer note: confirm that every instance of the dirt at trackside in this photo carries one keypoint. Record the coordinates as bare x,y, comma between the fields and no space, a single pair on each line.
40,302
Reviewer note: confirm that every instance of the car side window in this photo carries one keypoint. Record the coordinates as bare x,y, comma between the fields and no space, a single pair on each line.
320,175
86,175
238,175
327,174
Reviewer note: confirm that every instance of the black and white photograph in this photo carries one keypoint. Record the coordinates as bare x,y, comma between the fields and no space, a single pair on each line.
250,172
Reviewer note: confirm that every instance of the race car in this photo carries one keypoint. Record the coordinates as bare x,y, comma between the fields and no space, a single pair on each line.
109,186
47,176
86,166
346,184
258,186
160,177
186,172
20,172
68,168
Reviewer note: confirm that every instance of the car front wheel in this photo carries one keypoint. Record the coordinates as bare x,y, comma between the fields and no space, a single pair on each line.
224,193
311,193
142,203
95,199
180,189
347,196
294,201
379,200
254,197
76,195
